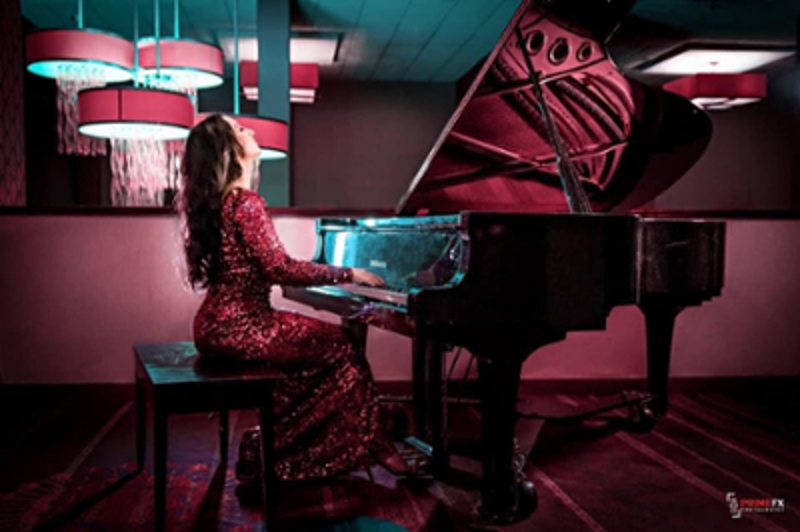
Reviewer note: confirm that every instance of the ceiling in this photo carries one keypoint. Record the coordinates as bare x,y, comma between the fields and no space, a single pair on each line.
432,40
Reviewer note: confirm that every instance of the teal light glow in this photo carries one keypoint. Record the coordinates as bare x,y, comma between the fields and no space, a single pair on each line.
339,248
84,69
268,154
181,77
134,130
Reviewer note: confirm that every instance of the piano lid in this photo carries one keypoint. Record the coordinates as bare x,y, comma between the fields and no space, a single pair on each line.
628,142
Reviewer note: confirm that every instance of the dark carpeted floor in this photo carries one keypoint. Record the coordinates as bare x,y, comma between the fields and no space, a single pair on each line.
67,454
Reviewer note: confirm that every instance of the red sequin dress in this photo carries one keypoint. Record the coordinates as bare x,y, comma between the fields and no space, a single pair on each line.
327,419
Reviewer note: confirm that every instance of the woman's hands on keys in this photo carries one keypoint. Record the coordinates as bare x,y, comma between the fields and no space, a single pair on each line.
362,276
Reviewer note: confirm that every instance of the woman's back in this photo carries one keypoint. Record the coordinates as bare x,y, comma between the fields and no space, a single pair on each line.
326,407
251,259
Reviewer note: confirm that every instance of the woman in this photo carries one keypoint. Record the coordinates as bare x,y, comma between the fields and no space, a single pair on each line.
327,419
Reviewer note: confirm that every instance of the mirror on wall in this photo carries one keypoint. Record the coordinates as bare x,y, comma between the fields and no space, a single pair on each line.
153,52
751,164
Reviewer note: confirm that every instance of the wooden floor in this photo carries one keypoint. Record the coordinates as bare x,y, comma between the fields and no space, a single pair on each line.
591,476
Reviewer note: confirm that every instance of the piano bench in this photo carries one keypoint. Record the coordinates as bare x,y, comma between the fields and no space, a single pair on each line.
168,377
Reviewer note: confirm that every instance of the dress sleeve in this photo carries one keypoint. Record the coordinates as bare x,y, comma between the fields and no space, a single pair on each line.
257,232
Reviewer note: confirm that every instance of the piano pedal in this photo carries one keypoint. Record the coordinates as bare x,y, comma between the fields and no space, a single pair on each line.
395,399
414,444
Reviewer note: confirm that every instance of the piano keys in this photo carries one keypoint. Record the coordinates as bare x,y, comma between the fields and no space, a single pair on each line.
483,253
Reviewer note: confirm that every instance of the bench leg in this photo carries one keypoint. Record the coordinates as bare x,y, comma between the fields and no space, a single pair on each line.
141,426
268,480
160,467
223,438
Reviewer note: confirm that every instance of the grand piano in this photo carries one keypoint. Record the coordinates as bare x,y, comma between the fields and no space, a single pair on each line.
516,229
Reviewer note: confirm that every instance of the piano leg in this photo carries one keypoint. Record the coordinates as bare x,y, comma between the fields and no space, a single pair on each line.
660,323
428,403
506,496
420,379
440,461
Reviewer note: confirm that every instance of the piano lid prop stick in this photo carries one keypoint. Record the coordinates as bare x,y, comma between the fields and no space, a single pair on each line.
577,200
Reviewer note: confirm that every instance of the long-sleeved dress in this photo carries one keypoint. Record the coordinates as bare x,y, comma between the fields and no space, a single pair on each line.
327,419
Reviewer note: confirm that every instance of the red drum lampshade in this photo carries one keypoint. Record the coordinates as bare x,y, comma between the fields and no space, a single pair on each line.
134,113
303,81
720,91
184,62
271,135
54,53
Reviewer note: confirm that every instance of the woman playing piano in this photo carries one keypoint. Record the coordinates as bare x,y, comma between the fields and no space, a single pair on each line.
326,408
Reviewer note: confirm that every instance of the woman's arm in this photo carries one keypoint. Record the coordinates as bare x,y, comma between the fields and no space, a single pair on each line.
261,241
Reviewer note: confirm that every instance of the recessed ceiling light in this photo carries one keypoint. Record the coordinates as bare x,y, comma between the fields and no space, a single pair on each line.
696,59
320,49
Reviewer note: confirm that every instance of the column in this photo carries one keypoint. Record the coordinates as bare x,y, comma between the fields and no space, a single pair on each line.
273,26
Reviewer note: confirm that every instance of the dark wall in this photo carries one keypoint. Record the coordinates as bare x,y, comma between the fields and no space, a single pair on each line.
750,163
12,118
360,144
56,180
794,90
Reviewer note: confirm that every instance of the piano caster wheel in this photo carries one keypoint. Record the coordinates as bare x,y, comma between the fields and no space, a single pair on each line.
642,418
526,501
528,498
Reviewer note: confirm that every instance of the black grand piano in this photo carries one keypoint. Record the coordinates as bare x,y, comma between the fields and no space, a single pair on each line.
514,231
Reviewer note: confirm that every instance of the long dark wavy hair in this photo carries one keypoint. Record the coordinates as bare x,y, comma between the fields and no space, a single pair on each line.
210,163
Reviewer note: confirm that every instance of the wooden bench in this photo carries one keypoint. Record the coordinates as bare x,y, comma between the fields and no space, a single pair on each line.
168,377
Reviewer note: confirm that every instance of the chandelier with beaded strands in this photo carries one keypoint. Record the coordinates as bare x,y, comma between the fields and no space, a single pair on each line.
181,65
146,124
78,59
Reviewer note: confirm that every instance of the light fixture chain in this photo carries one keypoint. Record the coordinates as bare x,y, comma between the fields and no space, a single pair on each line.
135,43
235,57
157,25
176,20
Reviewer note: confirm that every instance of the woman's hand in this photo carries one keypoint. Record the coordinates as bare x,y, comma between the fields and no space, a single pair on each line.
361,276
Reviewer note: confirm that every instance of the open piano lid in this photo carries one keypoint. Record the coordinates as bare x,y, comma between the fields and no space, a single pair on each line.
628,142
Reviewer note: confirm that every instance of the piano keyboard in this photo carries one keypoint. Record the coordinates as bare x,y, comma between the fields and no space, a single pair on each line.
379,294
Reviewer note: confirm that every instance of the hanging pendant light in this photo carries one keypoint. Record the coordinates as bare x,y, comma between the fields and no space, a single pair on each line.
271,135
78,59
303,81
54,53
182,62
134,112
146,126
715,92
